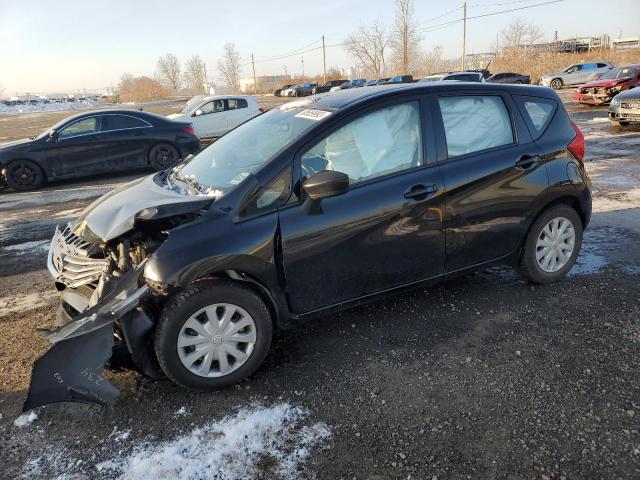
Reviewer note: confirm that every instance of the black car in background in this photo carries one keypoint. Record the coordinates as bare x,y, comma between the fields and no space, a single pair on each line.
96,142
509,77
325,87
277,92
303,89
362,193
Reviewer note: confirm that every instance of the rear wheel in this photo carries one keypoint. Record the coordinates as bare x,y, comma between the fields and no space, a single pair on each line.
556,84
24,175
212,335
163,156
552,245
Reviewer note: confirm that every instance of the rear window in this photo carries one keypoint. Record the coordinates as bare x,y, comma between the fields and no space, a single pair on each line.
235,103
121,122
475,122
538,113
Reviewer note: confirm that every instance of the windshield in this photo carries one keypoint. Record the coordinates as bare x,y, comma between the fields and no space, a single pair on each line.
191,104
243,150
621,72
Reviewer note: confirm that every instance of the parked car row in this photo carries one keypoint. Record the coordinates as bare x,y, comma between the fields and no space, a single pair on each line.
107,141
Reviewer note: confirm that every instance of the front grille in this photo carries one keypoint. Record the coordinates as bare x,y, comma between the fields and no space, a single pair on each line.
631,105
74,261
630,116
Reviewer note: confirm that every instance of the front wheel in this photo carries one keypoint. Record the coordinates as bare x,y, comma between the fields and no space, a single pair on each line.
556,84
163,156
24,175
552,245
213,335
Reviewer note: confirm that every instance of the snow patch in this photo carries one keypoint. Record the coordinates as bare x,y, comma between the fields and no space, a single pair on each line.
25,419
48,107
235,448
181,411
21,303
27,247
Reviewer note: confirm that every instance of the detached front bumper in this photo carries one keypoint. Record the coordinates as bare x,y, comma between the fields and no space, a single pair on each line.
72,369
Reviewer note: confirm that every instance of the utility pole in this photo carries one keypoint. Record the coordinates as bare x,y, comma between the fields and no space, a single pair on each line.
255,85
303,67
286,75
324,61
464,33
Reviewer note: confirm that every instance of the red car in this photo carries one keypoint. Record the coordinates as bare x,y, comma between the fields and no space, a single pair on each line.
602,90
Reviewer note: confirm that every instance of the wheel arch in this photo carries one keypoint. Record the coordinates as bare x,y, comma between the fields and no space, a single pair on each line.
154,144
41,164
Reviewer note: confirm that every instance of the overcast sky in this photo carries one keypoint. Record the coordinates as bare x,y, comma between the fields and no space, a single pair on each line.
70,45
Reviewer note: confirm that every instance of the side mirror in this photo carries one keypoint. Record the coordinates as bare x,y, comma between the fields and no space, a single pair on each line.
53,136
327,183
198,113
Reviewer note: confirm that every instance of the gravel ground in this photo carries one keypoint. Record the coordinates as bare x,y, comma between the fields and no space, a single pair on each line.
484,376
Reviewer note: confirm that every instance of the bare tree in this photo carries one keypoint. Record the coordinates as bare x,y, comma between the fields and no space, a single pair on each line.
368,45
169,70
140,88
518,33
405,36
229,66
194,74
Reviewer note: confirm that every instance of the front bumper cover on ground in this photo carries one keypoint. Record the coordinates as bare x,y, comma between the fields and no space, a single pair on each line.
72,369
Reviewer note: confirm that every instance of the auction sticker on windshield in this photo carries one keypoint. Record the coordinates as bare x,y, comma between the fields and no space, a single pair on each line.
312,114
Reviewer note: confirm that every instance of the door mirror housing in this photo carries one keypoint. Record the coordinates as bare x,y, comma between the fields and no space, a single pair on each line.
53,136
327,183
198,113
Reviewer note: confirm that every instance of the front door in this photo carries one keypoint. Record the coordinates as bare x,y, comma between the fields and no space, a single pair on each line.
210,120
492,173
385,231
81,149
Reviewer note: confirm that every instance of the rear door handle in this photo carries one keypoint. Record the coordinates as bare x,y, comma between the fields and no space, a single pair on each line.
419,192
527,162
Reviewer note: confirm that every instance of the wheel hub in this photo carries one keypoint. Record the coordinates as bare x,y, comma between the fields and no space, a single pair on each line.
555,244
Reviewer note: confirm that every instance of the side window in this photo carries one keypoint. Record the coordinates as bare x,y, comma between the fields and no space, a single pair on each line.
85,126
379,143
574,68
602,65
475,122
120,122
589,66
272,196
213,107
236,103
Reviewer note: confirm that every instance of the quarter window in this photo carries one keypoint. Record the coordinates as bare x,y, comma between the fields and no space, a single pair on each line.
475,122
376,144
539,112
81,127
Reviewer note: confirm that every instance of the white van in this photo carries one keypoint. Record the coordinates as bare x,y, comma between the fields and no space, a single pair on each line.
213,116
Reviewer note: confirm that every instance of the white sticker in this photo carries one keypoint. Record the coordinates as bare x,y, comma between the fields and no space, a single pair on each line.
312,114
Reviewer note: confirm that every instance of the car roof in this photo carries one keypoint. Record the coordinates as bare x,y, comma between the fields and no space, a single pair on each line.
343,98
113,111
224,97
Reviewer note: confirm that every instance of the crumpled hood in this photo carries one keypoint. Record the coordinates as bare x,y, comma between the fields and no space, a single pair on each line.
115,212
605,83
15,143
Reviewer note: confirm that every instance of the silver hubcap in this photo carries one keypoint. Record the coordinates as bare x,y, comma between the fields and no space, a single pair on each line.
555,244
216,340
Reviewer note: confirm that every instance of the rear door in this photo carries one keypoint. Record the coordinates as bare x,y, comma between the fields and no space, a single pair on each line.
492,173
387,229
81,149
237,112
128,139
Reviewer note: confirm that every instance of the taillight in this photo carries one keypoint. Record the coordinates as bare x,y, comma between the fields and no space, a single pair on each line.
189,130
261,109
576,147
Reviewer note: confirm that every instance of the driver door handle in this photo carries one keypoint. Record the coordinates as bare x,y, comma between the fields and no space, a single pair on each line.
419,191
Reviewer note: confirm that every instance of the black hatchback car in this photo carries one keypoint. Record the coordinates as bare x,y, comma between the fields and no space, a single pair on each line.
96,142
315,206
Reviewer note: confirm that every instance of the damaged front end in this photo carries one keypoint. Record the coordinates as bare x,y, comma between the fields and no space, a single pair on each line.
107,310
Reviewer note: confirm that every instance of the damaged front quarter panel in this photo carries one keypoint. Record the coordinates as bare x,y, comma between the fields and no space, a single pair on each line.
72,369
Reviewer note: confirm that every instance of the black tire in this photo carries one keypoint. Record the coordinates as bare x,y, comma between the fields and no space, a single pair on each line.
24,175
199,295
163,156
556,84
529,267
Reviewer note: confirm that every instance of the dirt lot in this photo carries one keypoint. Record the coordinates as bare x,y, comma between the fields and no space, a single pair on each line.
481,377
